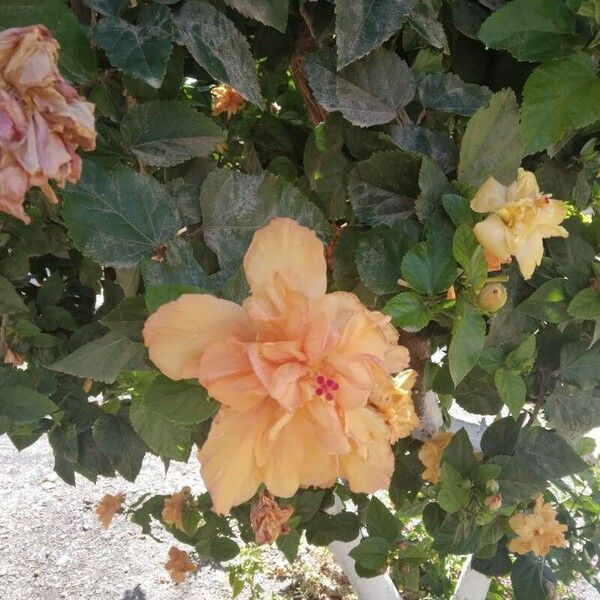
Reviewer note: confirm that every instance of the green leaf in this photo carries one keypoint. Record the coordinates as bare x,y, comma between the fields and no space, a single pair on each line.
166,133
10,301
548,303
511,387
121,444
523,356
579,364
24,405
476,393
469,255
106,224
269,12
234,205
532,579
547,453
492,144
378,258
141,50
107,7
500,437
532,30
459,454
408,311
433,144
371,552
324,529
179,401
447,92
76,60
363,91
468,333
429,268
557,96
572,410
63,440
424,20
219,548
585,305
289,544
218,47
452,496
103,359
380,522
362,25
383,189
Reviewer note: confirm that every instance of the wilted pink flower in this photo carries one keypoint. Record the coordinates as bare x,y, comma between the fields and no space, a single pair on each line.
43,120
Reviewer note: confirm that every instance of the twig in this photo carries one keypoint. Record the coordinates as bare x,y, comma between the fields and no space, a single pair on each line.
3,342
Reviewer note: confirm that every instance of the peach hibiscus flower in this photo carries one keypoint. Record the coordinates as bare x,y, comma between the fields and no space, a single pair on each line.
537,531
226,100
268,519
294,369
521,217
43,120
174,506
108,507
179,565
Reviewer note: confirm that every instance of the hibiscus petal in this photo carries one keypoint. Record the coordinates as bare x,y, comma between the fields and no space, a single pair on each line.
494,236
529,255
294,252
524,186
489,197
228,457
178,333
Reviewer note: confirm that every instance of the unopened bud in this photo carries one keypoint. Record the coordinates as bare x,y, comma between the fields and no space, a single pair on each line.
494,502
451,293
492,297
491,487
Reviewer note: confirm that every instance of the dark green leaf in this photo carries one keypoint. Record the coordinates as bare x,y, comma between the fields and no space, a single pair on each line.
218,547
476,393
289,544
23,405
141,50
380,522
580,365
511,387
492,144
408,311
557,96
459,454
548,303
107,7
500,437
362,25
269,12
532,579
429,268
452,496
218,47
104,222
533,30
468,334
523,356
585,305
572,410
363,91
166,133
324,529
371,552
517,480
10,301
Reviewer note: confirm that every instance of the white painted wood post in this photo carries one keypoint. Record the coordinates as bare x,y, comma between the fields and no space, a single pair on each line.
472,585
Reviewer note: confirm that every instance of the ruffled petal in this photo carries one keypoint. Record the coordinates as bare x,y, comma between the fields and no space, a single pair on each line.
529,255
294,252
524,186
494,236
489,197
228,457
178,333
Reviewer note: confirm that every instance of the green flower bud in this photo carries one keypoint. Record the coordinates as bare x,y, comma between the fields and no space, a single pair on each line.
492,297
491,487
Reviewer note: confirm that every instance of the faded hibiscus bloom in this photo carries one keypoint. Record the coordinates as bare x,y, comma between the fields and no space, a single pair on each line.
226,100
430,454
537,531
179,565
521,217
268,519
43,120
293,369
172,513
108,507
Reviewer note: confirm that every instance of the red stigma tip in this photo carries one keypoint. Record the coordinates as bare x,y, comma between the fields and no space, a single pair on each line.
329,396
319,391
320,379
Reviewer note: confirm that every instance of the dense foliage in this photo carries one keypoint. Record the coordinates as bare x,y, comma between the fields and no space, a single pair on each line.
373,124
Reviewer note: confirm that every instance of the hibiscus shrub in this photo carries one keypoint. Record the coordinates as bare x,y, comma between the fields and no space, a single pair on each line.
295,235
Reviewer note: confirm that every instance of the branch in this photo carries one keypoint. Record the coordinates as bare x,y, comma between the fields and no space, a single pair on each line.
3,342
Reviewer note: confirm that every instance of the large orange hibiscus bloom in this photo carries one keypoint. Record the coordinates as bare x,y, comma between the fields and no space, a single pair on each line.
294,369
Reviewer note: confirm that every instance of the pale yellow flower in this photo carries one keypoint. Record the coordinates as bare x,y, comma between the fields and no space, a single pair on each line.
179,565
226,99
430,454
268,519
172,513
520,218
108,507
537,531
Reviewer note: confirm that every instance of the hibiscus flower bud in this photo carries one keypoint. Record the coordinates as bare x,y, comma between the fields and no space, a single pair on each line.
451,293
108,507
43,120
179,565
268,519
493,503
492,297
492,486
